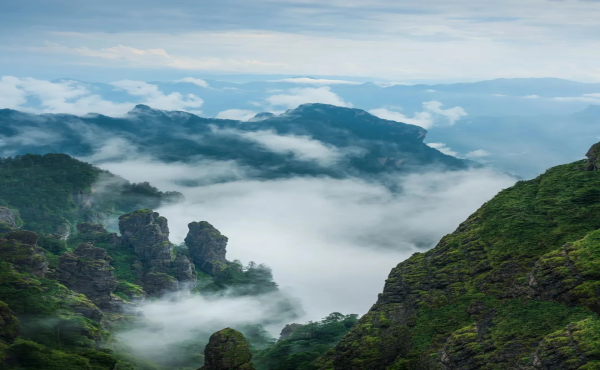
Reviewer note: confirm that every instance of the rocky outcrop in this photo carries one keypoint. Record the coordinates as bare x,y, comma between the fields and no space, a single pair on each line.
87,271
288,330
593,156
162,269
9,324
227,350
572,348
8,220
148,233
184,271
20,248
97,233
207,247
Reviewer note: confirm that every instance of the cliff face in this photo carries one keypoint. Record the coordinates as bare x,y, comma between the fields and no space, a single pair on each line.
87,271
227,350
516,286
162,270
207,247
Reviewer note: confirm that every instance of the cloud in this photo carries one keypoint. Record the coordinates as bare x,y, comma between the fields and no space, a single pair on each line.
479,153
316,81
155,57
11,96
427,118
586,98
422,119
443,148
299,96
386,39
195,81
531,97
64,96
330,242
237,114
451,114
155,98
171,321
301,147
74,97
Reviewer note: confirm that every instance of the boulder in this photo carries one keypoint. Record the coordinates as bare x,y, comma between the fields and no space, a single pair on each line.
227,350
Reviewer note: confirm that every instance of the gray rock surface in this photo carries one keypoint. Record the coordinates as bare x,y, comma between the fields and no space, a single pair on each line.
207,247
87,271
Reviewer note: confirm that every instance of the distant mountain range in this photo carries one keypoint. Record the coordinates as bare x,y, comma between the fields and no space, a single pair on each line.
313,139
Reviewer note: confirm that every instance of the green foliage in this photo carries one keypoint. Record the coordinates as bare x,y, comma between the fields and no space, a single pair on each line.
490,258
253,279
55,189
305,344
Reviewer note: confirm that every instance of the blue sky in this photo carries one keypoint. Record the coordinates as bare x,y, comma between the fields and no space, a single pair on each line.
393,40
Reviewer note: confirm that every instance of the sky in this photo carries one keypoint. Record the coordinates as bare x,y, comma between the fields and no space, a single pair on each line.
392,40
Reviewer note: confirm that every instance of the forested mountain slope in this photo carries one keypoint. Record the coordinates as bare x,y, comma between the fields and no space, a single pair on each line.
516,286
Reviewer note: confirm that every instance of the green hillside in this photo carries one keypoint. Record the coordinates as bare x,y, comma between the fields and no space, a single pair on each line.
516,286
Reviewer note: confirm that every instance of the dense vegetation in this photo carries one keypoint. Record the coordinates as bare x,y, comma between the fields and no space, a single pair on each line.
54,192
359,143
519,272
305,343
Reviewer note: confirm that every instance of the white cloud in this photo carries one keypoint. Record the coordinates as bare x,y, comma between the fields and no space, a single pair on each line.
65,96
330,242
195,81
11,96
156,57
166,324
303,148
585,98
237,114
443,148
155,98
427,118
299,96
422,119
73,97
479,153
451,114
316,81
531,97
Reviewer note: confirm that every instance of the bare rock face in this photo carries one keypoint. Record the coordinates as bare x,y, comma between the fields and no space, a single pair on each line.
87,271
207,247
593,155
184,271
227,350
7,219
162,271
148,233
20,248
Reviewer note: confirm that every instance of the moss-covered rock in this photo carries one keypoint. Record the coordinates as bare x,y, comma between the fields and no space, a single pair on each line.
20,248
227,350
